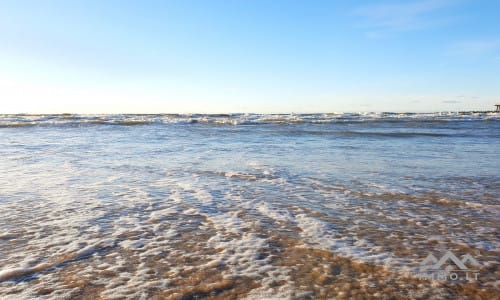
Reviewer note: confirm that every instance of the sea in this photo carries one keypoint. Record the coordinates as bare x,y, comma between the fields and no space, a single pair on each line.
250,206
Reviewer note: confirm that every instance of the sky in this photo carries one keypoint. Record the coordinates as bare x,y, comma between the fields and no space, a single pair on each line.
211,56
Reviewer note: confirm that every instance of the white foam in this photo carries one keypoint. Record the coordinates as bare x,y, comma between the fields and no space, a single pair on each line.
320,234
279,215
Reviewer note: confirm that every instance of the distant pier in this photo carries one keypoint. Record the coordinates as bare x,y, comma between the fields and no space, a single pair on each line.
498,107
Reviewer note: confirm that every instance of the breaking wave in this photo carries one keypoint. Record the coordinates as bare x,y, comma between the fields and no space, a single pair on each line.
24,120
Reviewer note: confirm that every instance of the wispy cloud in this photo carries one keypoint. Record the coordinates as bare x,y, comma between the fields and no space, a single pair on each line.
476,47
380,20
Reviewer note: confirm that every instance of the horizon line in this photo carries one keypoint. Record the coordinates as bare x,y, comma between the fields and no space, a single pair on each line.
256,113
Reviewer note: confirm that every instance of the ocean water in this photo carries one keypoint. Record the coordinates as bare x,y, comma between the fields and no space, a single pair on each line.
247,206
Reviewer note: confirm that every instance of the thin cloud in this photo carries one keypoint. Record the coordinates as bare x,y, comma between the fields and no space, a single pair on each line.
382,19
475,48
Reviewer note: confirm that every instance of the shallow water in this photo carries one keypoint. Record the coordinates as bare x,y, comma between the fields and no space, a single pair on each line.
246,206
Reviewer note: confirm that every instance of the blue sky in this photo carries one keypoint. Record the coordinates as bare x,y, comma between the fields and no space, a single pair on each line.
248,56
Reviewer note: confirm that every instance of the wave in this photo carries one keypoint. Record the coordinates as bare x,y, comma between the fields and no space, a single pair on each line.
24,120
121,123
354,133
